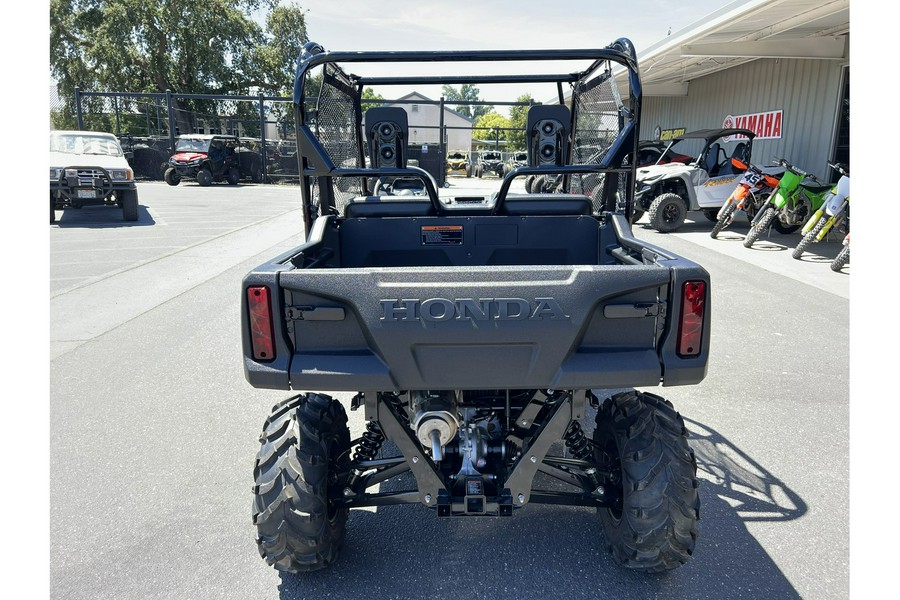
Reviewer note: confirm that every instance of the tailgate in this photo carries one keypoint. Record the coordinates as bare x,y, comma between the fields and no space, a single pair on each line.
475,327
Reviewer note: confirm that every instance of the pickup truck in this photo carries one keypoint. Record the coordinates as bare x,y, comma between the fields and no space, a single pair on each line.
90,168
475,332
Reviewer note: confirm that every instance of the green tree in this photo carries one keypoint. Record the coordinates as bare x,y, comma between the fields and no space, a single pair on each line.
277,57
491,127
189,46
369,94
469,93
518,115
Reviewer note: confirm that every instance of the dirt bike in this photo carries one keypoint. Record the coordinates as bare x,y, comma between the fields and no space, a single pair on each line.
834,212
843,256
747,196
789,205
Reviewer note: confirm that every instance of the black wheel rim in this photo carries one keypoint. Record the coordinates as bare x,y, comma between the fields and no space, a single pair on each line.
670,213
609,460
337,477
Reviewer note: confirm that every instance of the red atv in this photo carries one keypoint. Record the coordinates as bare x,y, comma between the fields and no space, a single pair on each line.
205,158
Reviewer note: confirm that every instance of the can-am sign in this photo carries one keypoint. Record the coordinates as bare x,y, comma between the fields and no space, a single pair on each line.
766,125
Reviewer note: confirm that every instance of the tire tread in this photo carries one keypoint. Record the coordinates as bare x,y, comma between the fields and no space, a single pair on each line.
290,507
657,530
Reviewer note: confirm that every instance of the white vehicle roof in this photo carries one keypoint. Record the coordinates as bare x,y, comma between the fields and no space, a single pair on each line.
93,147
76,132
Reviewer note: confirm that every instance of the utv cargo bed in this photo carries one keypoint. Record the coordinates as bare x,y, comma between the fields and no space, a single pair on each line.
542,302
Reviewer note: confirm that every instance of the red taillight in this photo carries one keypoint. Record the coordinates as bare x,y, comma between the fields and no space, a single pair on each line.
690,329
260,323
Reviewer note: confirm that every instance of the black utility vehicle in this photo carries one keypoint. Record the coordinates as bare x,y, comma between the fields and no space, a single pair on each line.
206,158
475,331
491,161
516,159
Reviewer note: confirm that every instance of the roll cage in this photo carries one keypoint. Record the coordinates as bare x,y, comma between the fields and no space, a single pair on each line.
331,145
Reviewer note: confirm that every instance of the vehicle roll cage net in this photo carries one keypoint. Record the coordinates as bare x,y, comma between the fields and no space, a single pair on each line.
315,162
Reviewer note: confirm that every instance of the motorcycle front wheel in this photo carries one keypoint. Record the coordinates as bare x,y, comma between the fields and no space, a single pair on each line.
759,227
722,222
809,238
841,259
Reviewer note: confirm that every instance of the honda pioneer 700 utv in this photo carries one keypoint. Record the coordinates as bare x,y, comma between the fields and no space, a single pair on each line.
475,331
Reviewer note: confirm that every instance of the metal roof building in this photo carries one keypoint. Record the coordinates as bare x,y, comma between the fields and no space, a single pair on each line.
778,67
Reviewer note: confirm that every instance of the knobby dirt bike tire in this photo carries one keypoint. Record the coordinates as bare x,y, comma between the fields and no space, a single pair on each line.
809,238
761,226
841,259
721,222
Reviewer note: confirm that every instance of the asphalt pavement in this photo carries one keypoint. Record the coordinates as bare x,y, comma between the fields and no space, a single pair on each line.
153,429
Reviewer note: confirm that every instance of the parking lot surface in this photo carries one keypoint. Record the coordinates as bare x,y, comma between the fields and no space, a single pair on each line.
153,429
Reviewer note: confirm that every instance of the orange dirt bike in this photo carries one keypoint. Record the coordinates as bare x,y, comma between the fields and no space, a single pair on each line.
750,193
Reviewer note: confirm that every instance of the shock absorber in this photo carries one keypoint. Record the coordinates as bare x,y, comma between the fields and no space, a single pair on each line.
576,442
370,444
578,445
367,449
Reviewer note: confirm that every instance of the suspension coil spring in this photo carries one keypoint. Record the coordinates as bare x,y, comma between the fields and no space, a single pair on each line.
577,442
370,444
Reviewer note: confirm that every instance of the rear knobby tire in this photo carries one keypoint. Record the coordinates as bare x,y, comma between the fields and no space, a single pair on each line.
841,259
809,238
667,212
233,176
761,225
529,180
305,443
722,221
130,205
653,526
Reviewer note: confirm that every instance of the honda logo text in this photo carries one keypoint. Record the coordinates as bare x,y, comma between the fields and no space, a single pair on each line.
438,310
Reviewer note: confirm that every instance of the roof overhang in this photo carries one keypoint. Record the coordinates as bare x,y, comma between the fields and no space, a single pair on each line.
742,32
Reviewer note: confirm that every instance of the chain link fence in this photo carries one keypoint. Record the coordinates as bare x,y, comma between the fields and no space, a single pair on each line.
148,125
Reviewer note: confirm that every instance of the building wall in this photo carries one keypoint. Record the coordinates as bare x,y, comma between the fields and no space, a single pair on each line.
424,122
807,91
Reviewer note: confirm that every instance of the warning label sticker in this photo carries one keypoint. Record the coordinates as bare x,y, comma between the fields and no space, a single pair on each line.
442,235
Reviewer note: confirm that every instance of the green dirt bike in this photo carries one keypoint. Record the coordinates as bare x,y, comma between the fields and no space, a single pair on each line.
789,205
833,213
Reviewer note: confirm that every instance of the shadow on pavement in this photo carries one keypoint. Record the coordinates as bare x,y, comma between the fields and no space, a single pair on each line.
101,217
